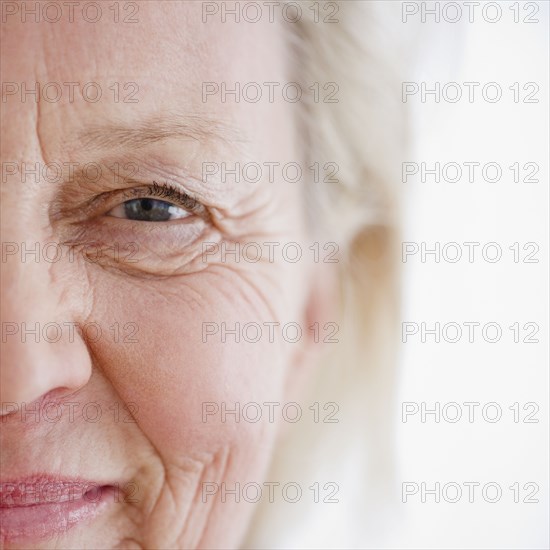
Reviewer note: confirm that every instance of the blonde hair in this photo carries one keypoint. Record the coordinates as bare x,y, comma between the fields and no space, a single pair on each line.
363,133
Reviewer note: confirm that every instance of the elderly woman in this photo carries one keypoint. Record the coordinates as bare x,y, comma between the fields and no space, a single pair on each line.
197,283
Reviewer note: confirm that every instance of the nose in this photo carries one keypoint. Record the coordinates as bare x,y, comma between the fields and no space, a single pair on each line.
41,350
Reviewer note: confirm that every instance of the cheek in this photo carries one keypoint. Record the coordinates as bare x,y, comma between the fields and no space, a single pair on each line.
176,375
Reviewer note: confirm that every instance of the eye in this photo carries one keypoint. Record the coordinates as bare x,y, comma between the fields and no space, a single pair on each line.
148,210
156,203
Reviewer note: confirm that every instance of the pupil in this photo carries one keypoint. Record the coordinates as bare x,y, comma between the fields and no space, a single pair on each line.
146,204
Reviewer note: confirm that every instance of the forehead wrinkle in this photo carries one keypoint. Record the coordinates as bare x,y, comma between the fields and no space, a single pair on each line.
158,128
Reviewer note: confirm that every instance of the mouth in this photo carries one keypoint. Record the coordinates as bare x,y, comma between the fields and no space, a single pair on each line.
41,507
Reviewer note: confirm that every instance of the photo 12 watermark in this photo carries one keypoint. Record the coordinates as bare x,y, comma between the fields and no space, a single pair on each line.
469,172
270,332
65,11
469,412
271,491
55,252
253,412
70,92
470,12
28,493
470,332
451,492
53,332
53,412
469,252
270,12
269,92
269,171
470,92
270,252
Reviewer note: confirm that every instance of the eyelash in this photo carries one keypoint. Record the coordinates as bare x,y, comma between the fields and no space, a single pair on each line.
171,193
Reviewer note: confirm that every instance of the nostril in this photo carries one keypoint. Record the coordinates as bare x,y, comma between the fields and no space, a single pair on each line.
57,395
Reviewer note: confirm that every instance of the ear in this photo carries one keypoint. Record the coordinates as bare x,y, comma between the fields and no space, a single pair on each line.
320,326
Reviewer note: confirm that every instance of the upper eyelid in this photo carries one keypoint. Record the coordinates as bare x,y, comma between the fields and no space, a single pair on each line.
149,178
118,175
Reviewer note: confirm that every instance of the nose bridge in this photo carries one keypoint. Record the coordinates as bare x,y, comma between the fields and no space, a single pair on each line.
41,349
25,269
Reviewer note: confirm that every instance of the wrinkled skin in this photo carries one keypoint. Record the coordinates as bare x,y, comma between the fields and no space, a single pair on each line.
158,450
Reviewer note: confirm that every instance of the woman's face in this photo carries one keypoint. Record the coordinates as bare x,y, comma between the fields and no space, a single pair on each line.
117,352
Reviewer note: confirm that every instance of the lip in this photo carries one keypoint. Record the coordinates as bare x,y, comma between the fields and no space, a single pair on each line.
39,507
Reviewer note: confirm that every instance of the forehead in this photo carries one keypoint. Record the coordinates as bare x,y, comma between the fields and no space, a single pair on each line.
164,56
159,36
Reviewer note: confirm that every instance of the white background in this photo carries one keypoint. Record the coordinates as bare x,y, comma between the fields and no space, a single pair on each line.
504,292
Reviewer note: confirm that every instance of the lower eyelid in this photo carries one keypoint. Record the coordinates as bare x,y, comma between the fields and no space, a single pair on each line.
149,250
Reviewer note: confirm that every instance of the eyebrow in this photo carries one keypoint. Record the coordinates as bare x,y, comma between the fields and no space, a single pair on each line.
158,128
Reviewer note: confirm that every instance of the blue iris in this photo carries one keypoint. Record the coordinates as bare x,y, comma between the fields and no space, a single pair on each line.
148,210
